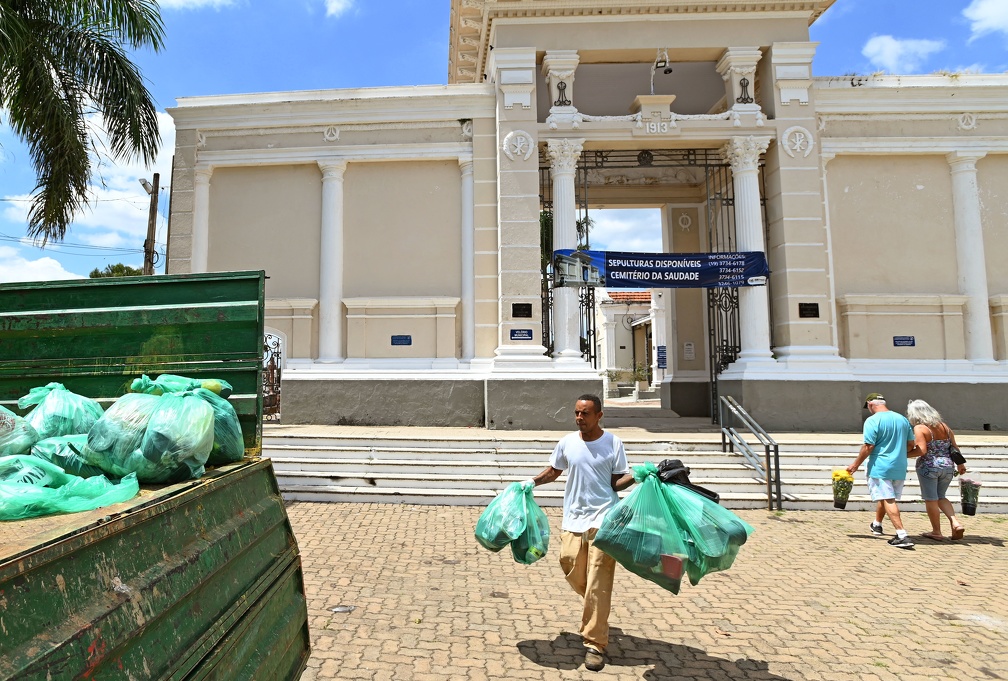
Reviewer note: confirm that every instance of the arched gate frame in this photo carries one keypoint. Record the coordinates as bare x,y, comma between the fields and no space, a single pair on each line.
722,303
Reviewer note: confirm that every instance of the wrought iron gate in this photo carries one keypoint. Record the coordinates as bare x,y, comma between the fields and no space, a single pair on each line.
700,165
272,363
724,337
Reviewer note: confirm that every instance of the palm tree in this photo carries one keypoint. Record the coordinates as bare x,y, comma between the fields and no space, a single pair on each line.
61,61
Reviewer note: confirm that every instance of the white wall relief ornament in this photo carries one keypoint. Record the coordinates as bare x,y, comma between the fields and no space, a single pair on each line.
330,134
968,121
518,143
467,130
797,139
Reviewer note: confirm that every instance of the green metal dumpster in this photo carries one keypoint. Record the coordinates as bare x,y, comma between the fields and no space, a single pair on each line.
195,580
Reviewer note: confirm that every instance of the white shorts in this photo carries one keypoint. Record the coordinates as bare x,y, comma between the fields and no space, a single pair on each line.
882,489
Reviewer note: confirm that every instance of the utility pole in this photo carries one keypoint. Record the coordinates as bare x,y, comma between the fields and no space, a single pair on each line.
148,266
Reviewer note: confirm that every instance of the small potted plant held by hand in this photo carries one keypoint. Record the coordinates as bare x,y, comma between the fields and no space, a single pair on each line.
843,483
969,491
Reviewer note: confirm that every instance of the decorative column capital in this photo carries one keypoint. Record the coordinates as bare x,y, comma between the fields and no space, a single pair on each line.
743,152
964,161
564,154
466,164
332,169
202,173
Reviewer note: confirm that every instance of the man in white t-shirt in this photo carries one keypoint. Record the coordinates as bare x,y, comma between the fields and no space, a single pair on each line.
596,467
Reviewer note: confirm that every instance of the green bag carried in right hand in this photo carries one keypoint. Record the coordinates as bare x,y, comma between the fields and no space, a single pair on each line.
533,543
503,520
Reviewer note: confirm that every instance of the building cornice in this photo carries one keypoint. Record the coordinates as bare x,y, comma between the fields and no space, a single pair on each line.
902,95
355,154
471,21
335,107
878,146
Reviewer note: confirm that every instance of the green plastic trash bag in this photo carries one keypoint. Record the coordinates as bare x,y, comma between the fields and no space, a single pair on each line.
31,487
503,520
59,412
533,543
67,453
161,439
228,442
642,534
179,438
170,383
715,533
16,435
118,433
28,470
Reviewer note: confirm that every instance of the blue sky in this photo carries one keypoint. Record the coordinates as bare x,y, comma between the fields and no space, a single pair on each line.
237,46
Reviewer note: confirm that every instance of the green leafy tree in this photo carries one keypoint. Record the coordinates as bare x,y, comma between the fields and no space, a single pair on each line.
117,270
60,61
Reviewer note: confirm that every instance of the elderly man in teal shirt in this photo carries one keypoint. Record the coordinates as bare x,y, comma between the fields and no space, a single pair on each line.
888,439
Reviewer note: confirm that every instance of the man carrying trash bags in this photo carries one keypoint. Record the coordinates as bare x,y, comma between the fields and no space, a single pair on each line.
664,528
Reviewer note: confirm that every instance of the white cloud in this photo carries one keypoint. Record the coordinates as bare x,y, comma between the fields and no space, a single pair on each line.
632,230
194,4
987,16
335,8
900,56
15,267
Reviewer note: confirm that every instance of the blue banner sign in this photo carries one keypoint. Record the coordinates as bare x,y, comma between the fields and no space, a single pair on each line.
521,334
402,340
614,269
904,341
662,357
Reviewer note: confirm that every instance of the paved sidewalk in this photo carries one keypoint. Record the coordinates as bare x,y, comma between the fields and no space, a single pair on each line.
813,595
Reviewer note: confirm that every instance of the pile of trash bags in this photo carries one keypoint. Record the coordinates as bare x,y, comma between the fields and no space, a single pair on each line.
67,452
663,531
514,518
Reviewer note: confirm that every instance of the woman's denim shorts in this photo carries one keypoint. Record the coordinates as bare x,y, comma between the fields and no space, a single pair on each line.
934,483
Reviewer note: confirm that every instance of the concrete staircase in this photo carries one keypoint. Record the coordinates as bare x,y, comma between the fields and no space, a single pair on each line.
470,468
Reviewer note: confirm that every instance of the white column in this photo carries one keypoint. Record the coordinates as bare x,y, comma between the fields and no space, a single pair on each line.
970,256
468,320
754,311
658,337
564,155
331,263
201,220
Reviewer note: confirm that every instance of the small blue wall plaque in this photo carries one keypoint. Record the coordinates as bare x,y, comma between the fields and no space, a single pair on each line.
521,334
662,357
402,340
903,341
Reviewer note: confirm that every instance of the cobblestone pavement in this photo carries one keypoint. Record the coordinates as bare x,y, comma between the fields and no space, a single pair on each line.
813,595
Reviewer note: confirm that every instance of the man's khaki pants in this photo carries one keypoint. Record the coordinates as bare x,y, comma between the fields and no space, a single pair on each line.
590,573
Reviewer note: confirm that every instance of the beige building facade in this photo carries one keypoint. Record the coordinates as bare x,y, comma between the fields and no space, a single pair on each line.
401,228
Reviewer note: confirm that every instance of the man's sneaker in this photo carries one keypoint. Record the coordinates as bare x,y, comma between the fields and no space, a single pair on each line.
594,661
901,542
876,529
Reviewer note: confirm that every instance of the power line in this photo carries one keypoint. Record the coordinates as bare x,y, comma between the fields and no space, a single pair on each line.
69,248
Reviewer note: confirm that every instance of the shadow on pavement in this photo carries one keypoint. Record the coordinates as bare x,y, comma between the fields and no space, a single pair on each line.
918,540
667,660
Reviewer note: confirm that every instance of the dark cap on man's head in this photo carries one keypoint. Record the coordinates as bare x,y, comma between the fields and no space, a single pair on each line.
871,398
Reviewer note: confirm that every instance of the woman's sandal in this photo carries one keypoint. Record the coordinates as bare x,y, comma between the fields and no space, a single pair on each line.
958,532
933,537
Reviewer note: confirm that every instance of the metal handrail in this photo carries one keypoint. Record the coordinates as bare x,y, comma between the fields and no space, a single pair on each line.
730,439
